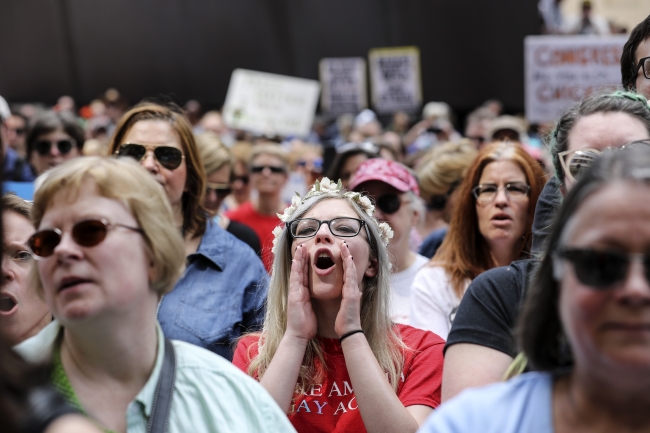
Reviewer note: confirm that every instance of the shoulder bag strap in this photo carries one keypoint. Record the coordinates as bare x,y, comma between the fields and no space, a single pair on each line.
162,400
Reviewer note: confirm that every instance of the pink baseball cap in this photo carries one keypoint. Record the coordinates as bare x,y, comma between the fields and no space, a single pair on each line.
384,170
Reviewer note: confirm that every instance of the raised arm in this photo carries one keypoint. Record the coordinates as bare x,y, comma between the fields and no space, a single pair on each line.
380,408
281,375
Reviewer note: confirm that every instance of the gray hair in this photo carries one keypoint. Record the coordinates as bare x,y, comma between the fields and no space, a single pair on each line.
617,102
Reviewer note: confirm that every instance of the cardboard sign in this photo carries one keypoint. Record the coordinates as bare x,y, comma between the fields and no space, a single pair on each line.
270,104
344,85
561,70
395,79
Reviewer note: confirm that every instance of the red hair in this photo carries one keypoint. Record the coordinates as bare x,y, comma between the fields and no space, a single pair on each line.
464,253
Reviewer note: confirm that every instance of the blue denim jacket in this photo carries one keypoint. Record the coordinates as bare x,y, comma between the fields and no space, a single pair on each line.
220,296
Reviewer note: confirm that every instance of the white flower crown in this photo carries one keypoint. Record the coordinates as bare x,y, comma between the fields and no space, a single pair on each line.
326,186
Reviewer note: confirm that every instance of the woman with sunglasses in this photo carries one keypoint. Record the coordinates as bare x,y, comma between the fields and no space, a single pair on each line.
484,326
491,227
240,181
585,326
395,191
53,138
268,167
329,354
221,292
106,254
218,164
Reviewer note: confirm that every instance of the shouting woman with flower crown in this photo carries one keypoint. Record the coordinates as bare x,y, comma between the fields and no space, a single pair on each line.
328,353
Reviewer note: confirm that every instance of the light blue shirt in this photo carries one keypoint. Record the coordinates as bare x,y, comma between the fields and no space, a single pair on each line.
210,394
523,404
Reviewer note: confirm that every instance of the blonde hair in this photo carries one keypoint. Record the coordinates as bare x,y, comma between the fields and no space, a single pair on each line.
241,151
444,166
385,342
269,149
116,179
212,153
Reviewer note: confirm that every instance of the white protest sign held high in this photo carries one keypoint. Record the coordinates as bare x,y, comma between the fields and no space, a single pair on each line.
395,79
561,70
270,104
344,85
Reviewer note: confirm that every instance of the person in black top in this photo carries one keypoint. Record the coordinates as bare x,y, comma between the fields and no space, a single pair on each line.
480,346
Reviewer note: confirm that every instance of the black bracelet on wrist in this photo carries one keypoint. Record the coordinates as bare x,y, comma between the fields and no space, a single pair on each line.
344,336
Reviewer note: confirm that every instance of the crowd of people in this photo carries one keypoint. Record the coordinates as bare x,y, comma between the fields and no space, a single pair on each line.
173,274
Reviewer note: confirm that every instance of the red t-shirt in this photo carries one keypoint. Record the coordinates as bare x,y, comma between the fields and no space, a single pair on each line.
262,225
331,406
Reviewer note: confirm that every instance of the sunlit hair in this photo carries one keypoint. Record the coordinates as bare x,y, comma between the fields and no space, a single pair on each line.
386,344
541,334
115,179
269,149
212,152
464,253
194,214
12,203
444,166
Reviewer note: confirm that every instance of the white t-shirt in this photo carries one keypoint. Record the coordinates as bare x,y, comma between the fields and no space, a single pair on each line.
400,283
433,301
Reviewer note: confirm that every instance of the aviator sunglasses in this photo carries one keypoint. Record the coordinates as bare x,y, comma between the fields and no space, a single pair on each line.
43,147
169,157
601,269
86,233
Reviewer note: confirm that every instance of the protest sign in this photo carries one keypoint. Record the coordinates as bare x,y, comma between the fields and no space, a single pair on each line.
560,70
270,104
344,85
395,79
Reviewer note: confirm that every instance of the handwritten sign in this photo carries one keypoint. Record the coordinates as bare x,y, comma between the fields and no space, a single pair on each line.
270,104
560,70
344,85
395,79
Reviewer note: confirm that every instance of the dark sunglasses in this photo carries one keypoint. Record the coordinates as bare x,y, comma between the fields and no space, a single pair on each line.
260,168
438,202
389,203
169,157
43,147
602,269
243,179
221,189
87,233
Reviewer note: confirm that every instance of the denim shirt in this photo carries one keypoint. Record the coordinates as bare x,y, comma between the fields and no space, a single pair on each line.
220,296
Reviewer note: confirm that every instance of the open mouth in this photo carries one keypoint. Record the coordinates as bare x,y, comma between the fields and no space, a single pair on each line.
501,218
324,261
7,304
